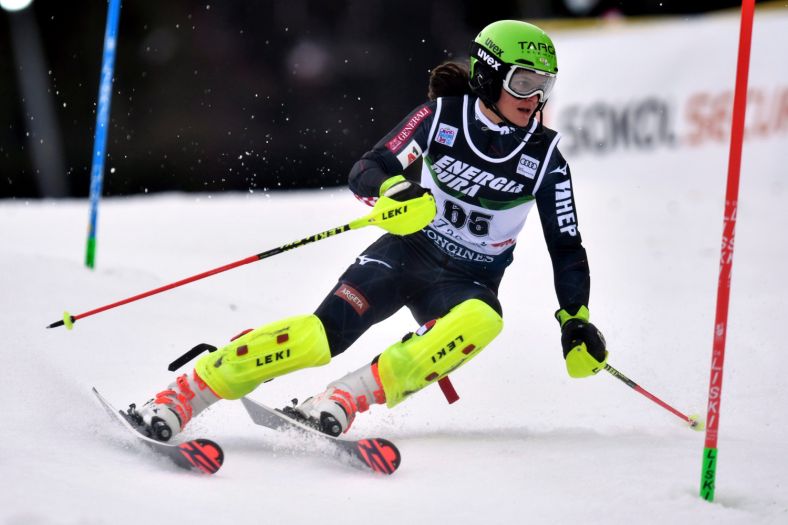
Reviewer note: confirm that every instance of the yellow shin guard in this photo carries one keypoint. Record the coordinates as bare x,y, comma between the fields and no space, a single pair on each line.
265,353
414,363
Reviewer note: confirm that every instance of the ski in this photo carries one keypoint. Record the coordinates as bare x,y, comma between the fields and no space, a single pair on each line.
200,455
376,454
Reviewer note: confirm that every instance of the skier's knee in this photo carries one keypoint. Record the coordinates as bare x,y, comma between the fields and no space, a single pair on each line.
437,348
264,353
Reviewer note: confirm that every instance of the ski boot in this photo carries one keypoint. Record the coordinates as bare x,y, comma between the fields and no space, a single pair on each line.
330,412
168,413
333,411
153,420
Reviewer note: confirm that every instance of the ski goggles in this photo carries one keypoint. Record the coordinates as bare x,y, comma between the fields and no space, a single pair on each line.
523,83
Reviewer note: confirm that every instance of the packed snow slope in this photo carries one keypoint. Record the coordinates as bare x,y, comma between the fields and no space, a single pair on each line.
525,443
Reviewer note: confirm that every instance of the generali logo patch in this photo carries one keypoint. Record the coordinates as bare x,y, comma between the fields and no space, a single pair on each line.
404,134
353,297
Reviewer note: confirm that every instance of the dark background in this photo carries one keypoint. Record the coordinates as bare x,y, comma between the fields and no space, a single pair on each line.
235,94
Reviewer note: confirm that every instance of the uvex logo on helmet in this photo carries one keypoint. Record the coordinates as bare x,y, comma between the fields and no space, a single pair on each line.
492,46
487,58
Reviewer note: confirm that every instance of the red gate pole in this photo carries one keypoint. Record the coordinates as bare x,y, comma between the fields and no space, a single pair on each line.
709,473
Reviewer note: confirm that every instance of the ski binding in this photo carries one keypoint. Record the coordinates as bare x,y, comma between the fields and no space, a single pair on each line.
376,454
200,455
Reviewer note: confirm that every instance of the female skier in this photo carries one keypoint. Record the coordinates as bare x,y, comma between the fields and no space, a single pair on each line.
486,160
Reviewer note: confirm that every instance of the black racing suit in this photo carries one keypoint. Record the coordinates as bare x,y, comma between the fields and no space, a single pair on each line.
485,179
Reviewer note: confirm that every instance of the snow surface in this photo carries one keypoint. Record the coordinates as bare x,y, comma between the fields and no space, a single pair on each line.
525,444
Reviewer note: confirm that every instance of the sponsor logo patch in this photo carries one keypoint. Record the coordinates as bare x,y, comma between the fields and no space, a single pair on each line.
404,134
565,212
456,250
527,166
353,297
363,259
468,179
561,170
446,135
409,154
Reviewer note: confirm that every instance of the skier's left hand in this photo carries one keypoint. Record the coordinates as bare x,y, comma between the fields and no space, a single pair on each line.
584,345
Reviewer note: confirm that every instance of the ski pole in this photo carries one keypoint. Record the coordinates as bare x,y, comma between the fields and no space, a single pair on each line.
693,420
382,214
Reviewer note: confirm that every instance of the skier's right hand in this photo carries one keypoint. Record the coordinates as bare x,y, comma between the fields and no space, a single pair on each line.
404,207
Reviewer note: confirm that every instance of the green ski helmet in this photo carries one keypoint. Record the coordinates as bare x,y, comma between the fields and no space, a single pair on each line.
516,56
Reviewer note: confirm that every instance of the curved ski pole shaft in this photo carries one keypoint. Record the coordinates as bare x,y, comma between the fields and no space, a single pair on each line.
691,420
376,217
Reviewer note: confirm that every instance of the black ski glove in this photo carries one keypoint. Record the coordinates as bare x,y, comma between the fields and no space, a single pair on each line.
584,345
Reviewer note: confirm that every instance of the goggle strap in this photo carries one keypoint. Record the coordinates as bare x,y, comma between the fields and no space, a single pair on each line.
485,56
